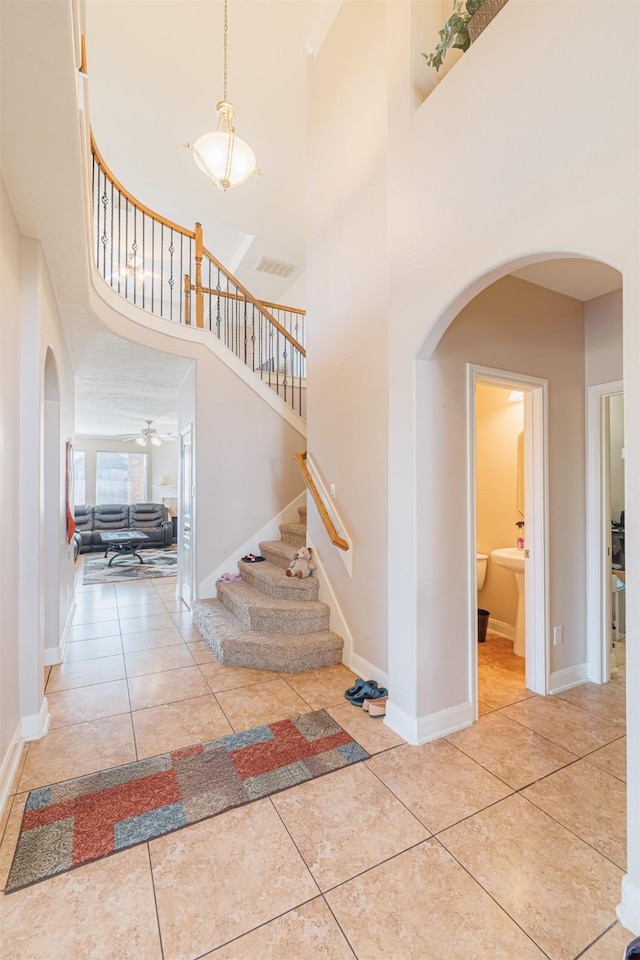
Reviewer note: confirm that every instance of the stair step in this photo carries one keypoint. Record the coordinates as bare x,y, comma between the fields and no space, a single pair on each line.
276,552
235,644
260,612
294,533
271,580
303,514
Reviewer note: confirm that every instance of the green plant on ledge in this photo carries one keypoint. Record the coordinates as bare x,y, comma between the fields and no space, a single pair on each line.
454,33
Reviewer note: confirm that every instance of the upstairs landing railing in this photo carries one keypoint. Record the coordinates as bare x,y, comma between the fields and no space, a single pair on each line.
166,270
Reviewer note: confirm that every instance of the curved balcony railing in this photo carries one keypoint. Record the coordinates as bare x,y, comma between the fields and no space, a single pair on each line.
166,270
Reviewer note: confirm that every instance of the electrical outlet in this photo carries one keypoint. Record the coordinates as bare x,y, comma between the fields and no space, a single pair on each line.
557,636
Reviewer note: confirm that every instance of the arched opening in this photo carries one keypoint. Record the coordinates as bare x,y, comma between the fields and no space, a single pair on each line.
52,509
558,319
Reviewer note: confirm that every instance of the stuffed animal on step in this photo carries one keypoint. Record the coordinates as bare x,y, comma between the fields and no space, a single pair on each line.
302,564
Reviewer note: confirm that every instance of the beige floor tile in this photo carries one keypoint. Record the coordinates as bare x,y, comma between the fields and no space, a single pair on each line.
83,673
220,676
494,648
150,608
93,614
83,748
590,803
611,946
159,621
95,591
91,649
570,727
202,652
102,911
154,689
612,758
135,596
308,931
557,888
512,752
10,836
372,733
91,631
500,684
261,703
223,877
88,703
607,700
182,618
439,784
16,777
107,606
322,688
139,662
151,639
190,633
174,725
422,905
484,709
345,823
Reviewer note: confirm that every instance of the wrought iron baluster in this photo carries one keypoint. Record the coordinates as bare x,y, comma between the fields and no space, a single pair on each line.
171,281
105,239
218,314
162,269
245,329
134,256
144,260
111,232
253,336
153,264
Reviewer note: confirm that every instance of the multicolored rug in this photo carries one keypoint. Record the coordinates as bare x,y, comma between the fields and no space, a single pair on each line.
157,563
77,821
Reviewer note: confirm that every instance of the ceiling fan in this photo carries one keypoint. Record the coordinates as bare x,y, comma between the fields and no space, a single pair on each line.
149,435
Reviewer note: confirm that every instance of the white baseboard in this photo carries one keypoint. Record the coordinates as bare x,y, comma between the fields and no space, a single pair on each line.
9,766
56,654
628,910
569,677
271,531
367,671
503,629
36,725
430,727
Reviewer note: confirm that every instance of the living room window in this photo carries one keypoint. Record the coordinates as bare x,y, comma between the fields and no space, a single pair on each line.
79,489
121,477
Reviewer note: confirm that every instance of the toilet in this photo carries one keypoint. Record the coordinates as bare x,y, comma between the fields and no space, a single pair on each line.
481,561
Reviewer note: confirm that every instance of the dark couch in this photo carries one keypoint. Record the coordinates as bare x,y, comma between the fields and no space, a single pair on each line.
149,518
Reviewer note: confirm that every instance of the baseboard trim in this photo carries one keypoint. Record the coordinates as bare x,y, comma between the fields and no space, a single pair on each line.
338,621
503,629
36,725
569,677
431,726
367,671
10,765
628,910
56,654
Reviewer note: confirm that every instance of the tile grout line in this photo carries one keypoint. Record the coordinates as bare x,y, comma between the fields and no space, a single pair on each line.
155,899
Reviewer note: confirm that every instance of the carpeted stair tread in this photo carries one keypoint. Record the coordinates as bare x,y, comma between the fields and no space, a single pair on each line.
260,612
273,582
276,552
294,533
302,511
237,645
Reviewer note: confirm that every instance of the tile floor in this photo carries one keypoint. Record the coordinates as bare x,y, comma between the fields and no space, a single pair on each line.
504,841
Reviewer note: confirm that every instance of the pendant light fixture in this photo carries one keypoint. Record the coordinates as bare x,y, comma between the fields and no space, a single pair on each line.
222,156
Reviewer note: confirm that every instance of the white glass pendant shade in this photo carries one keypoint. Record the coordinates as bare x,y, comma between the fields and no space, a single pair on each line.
141,441
222,156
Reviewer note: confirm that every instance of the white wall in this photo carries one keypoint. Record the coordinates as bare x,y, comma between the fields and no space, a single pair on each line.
603,338
347,318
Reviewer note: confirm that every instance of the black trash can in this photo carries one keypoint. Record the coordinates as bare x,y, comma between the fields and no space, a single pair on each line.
483,623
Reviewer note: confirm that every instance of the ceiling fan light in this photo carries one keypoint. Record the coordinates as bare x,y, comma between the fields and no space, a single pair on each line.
141,441
156,441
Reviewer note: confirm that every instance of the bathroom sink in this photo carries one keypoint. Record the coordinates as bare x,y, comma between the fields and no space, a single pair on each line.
511,558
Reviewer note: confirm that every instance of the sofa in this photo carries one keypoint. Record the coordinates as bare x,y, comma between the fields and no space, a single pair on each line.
150,518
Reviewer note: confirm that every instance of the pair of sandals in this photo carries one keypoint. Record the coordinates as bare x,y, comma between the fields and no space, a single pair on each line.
368,695
250,558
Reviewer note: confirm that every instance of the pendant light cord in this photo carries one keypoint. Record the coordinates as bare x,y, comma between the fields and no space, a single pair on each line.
226,30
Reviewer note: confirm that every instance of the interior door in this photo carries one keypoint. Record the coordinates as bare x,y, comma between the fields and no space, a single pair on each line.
185,532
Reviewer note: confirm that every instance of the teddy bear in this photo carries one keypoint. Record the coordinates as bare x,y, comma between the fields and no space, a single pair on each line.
302,564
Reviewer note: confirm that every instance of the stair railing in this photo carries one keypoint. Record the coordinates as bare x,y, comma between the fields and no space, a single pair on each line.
334,536
166,270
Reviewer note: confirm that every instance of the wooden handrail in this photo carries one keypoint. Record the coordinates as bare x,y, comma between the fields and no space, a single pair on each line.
280,306
285,333
334,536
136,203
265,303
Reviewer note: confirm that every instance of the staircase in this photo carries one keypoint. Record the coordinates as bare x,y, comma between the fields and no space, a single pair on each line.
267,620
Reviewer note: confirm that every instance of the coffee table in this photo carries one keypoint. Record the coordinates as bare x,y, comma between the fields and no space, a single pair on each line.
124,543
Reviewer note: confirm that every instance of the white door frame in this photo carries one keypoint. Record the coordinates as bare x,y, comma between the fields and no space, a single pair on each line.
598,522
536,468
186,496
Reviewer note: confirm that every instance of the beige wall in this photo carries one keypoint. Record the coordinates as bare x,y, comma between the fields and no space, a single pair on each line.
603,338
498,424
347,304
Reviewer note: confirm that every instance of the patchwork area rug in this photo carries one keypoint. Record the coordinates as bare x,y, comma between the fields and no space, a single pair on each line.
77,821
157,563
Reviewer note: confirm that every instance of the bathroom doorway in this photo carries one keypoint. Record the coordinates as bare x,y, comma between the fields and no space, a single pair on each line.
520,497
606,546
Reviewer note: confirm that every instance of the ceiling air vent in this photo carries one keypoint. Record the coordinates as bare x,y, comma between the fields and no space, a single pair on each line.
276,267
